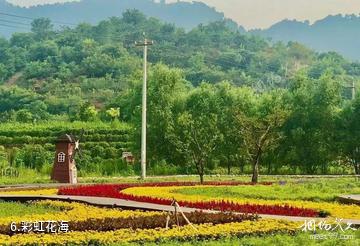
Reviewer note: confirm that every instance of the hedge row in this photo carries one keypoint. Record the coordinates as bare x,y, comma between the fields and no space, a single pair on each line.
46,134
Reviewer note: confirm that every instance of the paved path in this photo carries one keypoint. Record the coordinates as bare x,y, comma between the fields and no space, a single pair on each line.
350,199
132,205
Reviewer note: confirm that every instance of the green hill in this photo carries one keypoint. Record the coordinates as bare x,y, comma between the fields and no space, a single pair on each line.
88,11
334,33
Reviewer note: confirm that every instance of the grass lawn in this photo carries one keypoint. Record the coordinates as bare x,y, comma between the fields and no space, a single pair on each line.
26,176
306,190
29,176
32,178
243,178
290,188
10,209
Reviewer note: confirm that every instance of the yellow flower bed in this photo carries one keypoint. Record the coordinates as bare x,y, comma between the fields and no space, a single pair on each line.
74,212
335,209
147,235
44,192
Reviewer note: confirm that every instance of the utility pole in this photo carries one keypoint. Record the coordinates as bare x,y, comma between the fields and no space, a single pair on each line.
353,92
144,44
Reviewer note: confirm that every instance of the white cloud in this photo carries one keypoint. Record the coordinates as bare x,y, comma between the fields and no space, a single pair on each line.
28,3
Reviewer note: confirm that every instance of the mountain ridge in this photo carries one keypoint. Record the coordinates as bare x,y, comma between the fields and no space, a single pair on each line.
337,33
88,11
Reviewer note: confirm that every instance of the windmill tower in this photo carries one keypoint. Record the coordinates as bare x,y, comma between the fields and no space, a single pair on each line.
64,170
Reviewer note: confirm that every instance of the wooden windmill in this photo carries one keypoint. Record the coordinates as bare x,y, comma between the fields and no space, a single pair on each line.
64,170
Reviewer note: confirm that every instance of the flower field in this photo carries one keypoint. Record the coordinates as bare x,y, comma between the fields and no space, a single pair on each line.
236,217
164,193
205,231
102,226
333,209
112,190
84,218
74,213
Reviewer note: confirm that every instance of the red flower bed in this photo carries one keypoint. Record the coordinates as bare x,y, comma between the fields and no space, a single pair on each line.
105,190
227,206
114,191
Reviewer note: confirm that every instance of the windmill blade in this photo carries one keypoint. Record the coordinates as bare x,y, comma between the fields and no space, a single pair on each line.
80,153
74,155
73,135
77,152
78,137
77,149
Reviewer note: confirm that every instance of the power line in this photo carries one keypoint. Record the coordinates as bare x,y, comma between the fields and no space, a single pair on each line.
92,36
116,36
29,25
15,22
31,18
11,26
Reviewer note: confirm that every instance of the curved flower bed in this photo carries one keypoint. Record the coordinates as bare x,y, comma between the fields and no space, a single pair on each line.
114,191
335,209
102,219
205,231
158,221
75,213
224,206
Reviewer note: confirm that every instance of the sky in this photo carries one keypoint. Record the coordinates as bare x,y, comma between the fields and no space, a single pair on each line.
263,13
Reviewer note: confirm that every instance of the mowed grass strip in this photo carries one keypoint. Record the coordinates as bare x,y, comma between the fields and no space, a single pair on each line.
11,209
349,238
309,190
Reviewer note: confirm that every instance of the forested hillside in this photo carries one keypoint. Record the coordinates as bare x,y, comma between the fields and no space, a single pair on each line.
73,13
61,72
338,33
334,33
217,98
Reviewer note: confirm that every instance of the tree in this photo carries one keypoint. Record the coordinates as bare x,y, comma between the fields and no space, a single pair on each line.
165,87
12,154
99,65
39,110
24,116
88,113
133,17
23,40
42,28
3,73
348,132
114,113
15,98
3,157
38,69
260,126
42,50
310,130
35,156
229,100
196,132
